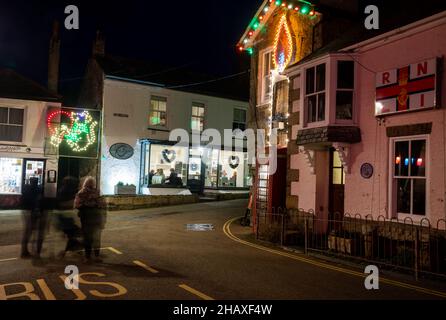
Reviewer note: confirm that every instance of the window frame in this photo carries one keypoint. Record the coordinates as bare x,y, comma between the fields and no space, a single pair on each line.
264,99
152,97
315,92
23,125
238,122
393,179
201,118
337,89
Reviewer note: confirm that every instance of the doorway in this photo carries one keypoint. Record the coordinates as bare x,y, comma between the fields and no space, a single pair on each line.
336,186
34,168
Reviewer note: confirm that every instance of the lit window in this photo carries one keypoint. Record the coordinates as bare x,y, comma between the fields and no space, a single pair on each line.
11,124
158,111
11,175
197,119
267,66
315,93
409,176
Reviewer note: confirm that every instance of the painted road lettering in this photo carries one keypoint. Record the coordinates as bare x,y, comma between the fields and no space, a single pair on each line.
27,290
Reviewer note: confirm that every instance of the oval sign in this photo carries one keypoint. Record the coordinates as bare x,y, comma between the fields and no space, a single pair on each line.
366,170
121,151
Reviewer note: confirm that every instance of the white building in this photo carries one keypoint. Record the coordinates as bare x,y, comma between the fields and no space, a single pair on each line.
141,105
23,109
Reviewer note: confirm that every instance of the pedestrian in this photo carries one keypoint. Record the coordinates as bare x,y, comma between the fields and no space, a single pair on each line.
34,217
92,215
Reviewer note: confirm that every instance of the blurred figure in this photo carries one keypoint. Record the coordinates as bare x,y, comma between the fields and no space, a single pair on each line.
65,220
34,217
92,217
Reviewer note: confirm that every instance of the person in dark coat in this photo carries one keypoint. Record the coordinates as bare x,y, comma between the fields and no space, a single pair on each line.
92,215
33,217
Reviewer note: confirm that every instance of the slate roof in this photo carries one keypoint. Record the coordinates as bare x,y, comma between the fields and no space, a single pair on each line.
180,78
16,86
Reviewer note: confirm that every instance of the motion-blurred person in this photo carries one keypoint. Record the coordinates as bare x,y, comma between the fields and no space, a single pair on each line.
92,215
34,217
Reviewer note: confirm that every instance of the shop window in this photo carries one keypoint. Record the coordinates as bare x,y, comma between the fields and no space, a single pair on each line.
344,92
158,111
11,175
409,176
163,163
11,124
239,121
197,120
315,93
233,173
210,161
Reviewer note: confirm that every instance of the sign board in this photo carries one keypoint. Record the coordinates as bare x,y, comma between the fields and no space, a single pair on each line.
409,88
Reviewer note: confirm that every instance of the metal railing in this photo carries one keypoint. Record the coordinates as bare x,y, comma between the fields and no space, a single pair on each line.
401,244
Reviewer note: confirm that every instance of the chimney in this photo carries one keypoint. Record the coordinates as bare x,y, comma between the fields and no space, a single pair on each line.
54,59
99,44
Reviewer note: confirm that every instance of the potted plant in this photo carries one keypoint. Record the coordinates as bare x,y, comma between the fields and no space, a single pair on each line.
125,189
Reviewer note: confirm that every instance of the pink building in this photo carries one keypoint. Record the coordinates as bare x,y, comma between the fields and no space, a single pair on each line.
371,129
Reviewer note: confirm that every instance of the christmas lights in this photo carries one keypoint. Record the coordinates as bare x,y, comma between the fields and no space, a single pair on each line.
79,132
283,45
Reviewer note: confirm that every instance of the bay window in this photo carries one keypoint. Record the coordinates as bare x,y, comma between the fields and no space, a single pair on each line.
344,91
315,93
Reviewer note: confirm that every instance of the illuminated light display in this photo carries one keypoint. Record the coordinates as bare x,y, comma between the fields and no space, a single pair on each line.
283,45
79,132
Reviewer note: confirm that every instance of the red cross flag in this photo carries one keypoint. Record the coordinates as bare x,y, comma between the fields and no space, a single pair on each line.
409,88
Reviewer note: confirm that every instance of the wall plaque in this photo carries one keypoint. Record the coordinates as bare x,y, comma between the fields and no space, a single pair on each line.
121,151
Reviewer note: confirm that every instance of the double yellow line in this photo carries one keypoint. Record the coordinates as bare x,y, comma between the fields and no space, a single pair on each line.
229,234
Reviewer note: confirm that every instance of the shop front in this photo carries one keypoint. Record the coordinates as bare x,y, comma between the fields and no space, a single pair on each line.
17,169
166,165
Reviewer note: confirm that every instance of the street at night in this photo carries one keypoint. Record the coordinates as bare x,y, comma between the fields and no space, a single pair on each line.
150,254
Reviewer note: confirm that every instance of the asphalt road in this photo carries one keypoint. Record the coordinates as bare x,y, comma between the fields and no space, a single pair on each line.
150,254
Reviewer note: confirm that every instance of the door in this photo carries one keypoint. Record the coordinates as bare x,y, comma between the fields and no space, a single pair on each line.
195,180
34,168
336,184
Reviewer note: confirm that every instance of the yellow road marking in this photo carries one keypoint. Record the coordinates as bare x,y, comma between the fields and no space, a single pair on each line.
113,250
45,289
143,265
228,233
195,292
10,259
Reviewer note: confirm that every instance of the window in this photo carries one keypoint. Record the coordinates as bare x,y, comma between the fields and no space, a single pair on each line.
10,175
315,93
239,121
233,173
338,170
409,176
197,120
158,111
11,124
344,92
266,76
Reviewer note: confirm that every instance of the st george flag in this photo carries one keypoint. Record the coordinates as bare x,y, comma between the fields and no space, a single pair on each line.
408,88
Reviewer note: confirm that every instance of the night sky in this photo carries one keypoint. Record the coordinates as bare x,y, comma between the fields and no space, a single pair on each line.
201,34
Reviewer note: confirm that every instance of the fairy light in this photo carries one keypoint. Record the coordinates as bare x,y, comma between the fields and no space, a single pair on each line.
287,52
79,133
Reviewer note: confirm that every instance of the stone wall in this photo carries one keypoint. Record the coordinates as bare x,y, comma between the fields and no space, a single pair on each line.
115,203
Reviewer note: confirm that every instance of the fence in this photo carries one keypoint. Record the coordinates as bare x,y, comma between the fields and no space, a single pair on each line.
406,245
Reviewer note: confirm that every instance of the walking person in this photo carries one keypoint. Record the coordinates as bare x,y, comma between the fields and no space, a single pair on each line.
92,217
33,218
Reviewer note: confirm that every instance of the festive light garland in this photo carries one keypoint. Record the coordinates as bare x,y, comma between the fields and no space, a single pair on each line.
299,6
281,58
79,133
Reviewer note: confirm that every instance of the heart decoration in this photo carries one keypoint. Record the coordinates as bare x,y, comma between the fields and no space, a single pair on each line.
169,155
194,166
234,162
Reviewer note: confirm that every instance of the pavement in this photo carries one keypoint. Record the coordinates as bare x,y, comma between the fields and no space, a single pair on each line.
153,254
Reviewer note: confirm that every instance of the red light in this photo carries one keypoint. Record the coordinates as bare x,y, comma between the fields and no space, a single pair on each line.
297,8
241,48
312,13
251,33
419,162
398,160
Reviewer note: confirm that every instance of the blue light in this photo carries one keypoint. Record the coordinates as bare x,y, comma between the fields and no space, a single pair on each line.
406,162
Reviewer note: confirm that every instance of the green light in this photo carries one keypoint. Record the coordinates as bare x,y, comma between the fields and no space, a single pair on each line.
250,51
305,10
255,26
278,3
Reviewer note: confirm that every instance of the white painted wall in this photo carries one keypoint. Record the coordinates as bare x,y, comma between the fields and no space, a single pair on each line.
133,100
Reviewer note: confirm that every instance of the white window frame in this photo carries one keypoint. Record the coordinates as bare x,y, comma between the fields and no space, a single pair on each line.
151,110
263,75
238,122
23,125
202,118
316,93
392,180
